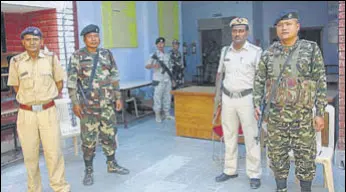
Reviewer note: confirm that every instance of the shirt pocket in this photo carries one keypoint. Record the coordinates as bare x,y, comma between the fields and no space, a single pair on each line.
85,70
304,66
106,68
26,81
47,78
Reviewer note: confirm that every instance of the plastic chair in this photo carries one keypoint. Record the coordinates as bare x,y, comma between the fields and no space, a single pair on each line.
133,99
69,124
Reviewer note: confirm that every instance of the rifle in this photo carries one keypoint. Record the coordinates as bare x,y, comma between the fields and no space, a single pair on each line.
81,91
260,120
164,67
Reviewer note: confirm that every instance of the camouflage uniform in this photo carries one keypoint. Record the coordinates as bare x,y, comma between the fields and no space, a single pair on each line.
99,115
178,68
290,117
212,62
162,95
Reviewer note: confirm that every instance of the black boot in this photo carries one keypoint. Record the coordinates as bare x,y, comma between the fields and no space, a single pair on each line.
281,185
305,186
224,177
113,167
88,177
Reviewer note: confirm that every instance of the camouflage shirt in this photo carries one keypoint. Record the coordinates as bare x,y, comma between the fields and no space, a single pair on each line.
105,85
309,65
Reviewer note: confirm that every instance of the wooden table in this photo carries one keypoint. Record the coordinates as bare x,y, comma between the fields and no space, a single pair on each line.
194,112
10,124
125,87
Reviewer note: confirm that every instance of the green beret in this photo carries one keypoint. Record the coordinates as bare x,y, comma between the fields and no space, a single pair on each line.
285,15
90,29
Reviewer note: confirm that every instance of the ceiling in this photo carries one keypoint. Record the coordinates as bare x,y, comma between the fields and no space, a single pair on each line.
11,8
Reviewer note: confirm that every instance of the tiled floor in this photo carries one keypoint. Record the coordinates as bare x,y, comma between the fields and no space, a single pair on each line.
159,161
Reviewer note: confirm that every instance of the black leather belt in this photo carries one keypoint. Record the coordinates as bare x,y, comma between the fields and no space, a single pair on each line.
237,94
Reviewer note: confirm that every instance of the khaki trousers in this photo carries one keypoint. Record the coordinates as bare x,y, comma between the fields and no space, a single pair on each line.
235,110
33,127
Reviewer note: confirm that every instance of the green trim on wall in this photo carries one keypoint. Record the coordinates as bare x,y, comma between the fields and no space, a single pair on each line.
168,20
119,24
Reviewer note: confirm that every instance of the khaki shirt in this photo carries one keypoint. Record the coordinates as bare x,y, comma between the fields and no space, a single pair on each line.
36,78
240,66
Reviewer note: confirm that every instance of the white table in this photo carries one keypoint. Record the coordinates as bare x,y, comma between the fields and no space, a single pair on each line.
125,87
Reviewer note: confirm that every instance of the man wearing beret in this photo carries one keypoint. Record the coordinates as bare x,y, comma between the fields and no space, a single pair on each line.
291,77
37,78
235,77
162,80
94,73
178,66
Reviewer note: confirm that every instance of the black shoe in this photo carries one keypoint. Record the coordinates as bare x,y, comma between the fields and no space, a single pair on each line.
225,177
305,186
113,167
88,177
255,183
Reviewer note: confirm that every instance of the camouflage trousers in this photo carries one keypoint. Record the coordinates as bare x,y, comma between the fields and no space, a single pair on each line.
162,97
297,136
99,120
210,72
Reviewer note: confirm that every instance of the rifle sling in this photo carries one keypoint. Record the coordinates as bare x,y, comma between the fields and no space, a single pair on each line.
275,86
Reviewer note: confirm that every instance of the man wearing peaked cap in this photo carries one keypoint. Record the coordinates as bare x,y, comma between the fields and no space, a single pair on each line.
291,124
97,99
163,80
37,78
31,30
178,66
234,84
239,21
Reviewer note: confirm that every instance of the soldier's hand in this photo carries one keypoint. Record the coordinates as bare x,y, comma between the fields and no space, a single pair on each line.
173,83
77,110
319,123
118,105
257,113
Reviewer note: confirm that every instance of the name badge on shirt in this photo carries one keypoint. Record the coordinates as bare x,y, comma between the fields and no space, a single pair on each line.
23,74
226,59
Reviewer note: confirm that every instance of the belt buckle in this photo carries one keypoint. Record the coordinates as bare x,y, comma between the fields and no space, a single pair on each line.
236,95
37,108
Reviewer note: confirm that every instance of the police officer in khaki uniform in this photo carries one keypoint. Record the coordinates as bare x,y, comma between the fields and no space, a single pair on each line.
37,78
238,64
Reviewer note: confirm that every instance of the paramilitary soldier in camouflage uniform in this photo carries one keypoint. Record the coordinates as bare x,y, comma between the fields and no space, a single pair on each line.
178,66
162,80
290,117
94,73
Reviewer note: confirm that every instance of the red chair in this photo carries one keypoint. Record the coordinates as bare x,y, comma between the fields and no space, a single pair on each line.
217,130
